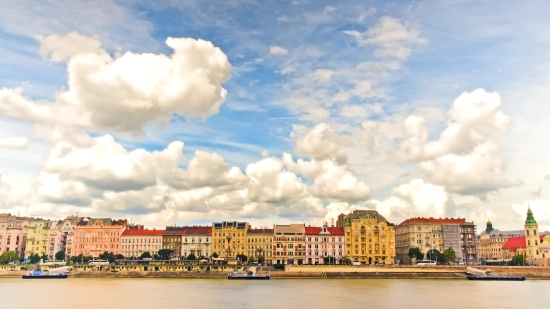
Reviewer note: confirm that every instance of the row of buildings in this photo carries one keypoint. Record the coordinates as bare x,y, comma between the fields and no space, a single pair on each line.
363,236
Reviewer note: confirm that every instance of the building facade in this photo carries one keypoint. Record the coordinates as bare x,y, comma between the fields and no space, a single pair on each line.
491,242
436,233
38,238
13,233
93,236
229,238
135,242
289,244
171,239
62,236
369,237
324,244
197,240
259,244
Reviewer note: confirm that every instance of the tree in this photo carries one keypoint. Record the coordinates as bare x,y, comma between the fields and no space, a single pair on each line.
251,259
449,254
518,260
44,257
60,256
146,255
416,254
329,260
119,257
34,258
109,256
8,257
164,254
345,260
261,260
435,255
214,255
242,258
191,257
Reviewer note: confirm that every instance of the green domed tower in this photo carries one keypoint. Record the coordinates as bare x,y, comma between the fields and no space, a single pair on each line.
489,227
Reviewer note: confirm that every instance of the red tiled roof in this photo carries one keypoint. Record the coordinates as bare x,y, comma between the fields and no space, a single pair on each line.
433,220
315,230
260,231
514,243
143,233
197,230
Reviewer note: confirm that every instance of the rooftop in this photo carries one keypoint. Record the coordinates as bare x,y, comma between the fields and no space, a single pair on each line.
316,230
143,233
434,220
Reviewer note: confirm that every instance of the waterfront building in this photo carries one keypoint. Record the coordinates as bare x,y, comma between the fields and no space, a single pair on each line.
171,239
229,238
436,233
38,238
62,236
289,243
93,236
369,237
135,242
528,245
324,244
196,240
13,233
259,244
491,242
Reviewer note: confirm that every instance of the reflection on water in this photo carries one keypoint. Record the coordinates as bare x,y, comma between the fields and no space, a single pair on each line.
276,293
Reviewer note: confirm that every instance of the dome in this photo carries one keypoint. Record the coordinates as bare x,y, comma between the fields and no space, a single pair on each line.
530,221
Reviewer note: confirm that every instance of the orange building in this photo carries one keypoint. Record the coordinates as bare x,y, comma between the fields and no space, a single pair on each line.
95,236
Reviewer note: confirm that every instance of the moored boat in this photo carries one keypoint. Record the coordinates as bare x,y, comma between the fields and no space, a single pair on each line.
249,274
39,274
477,274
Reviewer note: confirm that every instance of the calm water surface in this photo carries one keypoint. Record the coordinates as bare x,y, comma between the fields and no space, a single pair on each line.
282,293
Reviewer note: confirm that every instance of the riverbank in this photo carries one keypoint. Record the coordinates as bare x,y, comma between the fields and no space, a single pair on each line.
319,272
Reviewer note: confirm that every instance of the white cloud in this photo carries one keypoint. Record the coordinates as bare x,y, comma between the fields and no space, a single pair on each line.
541,213
14,142
278,50
323,75
60,48
414,199
329,9
322,143
283,19
392,37
466,159
145,88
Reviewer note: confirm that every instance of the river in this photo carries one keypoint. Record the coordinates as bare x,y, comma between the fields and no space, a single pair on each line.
276,293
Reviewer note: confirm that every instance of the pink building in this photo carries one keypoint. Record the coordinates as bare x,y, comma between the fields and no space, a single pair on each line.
95,236
324,244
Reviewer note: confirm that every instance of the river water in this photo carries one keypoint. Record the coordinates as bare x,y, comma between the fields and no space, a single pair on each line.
276,293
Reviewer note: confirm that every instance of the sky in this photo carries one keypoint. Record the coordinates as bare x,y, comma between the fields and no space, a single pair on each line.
190,112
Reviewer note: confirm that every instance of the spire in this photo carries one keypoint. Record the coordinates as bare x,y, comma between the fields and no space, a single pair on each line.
530,221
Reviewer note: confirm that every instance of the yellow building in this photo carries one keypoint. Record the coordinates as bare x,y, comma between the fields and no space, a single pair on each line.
259,243
369,237
38,238
229,238
491,242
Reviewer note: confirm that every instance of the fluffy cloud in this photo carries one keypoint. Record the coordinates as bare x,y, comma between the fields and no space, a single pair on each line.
392,38
60,48
14,142
466,158
414,199
278,50
322,143
145,88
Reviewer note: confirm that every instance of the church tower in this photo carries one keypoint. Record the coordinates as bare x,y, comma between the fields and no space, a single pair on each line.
532,237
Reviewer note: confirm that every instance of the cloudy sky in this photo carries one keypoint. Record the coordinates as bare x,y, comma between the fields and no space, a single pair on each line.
190,112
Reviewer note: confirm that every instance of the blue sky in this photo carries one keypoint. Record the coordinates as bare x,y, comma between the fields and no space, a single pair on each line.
279,51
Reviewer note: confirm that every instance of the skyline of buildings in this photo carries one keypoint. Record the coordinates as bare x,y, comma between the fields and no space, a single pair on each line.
365,237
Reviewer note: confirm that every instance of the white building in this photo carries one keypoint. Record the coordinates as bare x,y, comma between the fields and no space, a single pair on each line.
196,240
62,236
13,233
324,243
134,242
